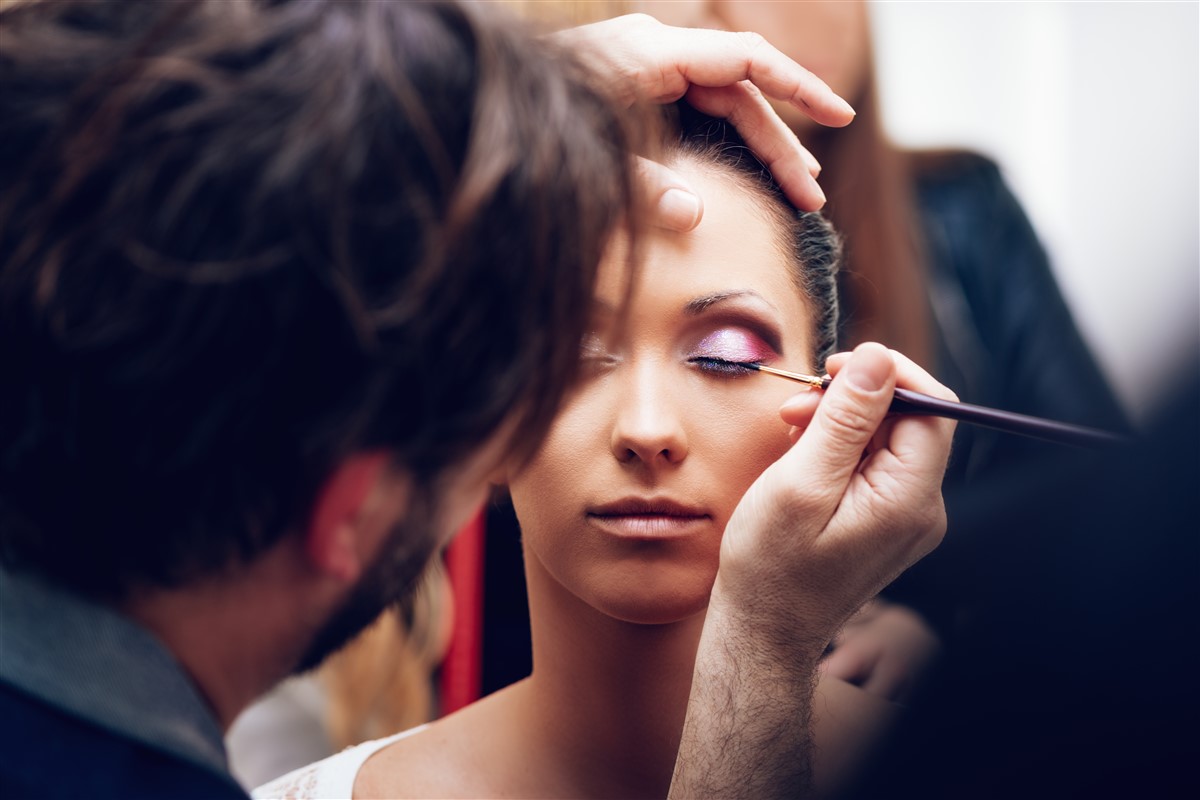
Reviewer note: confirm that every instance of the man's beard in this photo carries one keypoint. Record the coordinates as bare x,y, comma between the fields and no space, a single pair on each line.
409,546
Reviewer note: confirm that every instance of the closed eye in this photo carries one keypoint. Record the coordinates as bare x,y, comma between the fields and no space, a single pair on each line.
719,366
594,356
727,351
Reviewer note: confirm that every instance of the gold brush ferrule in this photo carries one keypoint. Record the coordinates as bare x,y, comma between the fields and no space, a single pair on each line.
811,380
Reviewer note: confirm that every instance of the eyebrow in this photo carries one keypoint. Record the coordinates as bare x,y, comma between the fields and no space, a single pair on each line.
700,305
763,324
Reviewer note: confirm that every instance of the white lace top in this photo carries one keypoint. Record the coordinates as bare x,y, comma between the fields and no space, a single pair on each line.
328,778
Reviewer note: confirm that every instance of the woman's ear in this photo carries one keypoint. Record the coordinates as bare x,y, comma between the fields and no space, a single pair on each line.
336,540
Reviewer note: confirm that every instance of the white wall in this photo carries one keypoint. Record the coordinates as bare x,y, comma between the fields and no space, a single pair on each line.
1093,111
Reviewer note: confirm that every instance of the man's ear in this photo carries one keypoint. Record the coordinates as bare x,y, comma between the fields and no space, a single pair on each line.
334,539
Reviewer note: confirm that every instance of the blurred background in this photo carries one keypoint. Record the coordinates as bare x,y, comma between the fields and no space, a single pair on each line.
1092,109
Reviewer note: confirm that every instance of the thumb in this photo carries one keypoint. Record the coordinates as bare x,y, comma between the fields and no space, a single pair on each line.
848,416
672,202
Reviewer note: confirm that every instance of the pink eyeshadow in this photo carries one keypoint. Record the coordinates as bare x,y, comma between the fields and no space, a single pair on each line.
733,344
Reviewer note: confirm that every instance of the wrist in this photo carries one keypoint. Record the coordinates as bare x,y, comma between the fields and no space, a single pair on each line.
749,727
760,639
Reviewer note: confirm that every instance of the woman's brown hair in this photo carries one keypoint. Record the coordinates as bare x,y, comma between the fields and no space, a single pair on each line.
871,201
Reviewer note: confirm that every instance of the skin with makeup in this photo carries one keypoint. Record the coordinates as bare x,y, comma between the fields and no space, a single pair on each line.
623,510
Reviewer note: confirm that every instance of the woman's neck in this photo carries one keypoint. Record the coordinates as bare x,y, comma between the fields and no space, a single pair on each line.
607,698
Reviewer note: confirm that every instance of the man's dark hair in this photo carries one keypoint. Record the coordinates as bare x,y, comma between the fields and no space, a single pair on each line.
242,240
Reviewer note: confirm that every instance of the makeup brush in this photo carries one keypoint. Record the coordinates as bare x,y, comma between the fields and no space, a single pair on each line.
907,401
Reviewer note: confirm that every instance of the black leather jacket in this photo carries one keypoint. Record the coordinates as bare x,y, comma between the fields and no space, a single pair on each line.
1004,338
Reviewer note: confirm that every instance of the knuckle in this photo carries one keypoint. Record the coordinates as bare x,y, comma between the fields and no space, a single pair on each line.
930,522
929,526
752,41
635,75
893,494
918,518
938,523
849,418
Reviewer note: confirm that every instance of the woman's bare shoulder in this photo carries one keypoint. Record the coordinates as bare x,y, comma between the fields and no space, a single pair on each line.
458,756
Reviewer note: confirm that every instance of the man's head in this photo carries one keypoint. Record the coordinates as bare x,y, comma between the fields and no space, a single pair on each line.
243,245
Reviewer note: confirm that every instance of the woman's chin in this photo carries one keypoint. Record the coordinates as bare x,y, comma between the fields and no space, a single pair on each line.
661,614
653,603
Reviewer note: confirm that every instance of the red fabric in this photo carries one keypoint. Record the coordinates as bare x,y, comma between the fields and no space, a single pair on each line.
462,671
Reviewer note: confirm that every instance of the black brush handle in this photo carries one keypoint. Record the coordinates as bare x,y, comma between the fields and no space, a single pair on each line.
909,402
906,401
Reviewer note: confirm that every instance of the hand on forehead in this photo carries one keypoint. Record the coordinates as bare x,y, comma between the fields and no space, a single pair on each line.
737,262
725,74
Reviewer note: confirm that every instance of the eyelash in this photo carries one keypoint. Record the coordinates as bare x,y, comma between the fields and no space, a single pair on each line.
591,349
721,367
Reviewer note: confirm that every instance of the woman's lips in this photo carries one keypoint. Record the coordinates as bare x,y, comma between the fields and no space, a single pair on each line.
648,518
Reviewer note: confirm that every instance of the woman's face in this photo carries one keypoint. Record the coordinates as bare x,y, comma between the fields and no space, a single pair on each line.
831,38
625,503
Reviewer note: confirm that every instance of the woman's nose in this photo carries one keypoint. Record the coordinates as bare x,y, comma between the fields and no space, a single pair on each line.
647,427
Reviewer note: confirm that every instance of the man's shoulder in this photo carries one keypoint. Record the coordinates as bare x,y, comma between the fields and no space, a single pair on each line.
49,753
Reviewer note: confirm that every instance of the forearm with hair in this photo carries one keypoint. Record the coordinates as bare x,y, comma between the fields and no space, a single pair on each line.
748,731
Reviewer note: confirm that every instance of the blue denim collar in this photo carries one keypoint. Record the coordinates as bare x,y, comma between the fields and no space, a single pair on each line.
92,662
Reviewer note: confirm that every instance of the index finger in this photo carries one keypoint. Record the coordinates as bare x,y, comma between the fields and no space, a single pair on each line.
719,58
771,140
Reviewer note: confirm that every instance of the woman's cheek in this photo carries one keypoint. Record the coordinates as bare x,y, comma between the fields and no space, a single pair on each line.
745,440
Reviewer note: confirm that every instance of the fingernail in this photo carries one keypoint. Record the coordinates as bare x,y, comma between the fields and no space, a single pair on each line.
817,187
680,208
796,401
847,107
867,374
